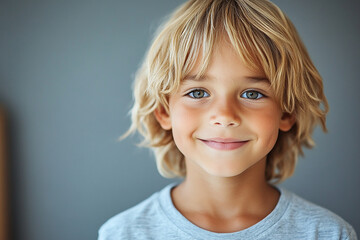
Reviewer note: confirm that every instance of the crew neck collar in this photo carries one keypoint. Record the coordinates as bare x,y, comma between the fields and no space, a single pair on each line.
253,232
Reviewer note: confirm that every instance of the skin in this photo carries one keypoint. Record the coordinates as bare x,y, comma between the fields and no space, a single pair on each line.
225,190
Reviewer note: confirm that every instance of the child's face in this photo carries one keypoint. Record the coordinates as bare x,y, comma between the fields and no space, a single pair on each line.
227,121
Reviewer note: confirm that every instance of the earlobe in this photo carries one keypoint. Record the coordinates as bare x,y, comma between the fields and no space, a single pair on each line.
287,121
163,118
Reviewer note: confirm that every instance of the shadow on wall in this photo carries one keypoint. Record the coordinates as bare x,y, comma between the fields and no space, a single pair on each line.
7,181
4,183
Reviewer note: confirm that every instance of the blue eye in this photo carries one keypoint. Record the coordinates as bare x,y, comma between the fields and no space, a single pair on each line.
198,93
251,94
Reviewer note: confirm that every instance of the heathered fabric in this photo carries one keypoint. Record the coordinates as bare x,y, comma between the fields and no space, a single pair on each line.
293,218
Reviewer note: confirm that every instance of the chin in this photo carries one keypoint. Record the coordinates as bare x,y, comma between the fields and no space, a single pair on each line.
224,171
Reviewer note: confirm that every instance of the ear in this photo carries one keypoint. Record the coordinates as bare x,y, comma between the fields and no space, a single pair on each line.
287,121
163,117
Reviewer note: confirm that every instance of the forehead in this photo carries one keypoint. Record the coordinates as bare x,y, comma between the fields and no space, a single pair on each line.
206,58
205,77
223,61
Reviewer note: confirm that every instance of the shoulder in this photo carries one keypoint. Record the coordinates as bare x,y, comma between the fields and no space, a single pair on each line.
137,222
304,216
129,217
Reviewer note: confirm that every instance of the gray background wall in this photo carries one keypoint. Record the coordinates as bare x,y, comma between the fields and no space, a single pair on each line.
66,69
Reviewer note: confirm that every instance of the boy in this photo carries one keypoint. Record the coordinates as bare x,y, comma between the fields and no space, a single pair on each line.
226,97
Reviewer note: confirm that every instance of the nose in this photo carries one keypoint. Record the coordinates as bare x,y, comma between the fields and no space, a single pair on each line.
225,114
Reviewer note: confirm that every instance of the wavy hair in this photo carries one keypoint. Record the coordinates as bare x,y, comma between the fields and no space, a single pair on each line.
265,39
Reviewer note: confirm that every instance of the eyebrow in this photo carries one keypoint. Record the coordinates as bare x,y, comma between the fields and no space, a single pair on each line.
205,77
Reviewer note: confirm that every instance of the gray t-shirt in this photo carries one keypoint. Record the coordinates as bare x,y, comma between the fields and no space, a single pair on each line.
292,218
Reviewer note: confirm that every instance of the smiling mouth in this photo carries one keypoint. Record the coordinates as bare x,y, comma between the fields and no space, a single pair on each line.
223,144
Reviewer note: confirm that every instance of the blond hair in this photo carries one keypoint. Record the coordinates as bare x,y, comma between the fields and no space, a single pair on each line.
265,39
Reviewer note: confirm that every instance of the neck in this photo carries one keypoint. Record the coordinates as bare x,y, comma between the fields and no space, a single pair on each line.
226,197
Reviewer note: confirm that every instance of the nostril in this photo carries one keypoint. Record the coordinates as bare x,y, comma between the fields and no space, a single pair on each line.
232,124
225,124
224,121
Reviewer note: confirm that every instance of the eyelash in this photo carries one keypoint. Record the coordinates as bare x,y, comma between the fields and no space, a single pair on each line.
191,94
261,95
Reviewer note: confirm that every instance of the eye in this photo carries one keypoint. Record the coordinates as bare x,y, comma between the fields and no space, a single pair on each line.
252,94
198,93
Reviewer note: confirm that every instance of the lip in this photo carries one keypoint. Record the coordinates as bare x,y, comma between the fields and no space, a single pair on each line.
225,144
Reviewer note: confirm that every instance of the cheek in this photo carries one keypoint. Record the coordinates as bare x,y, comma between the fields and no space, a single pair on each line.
185,121
183,117
267,125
